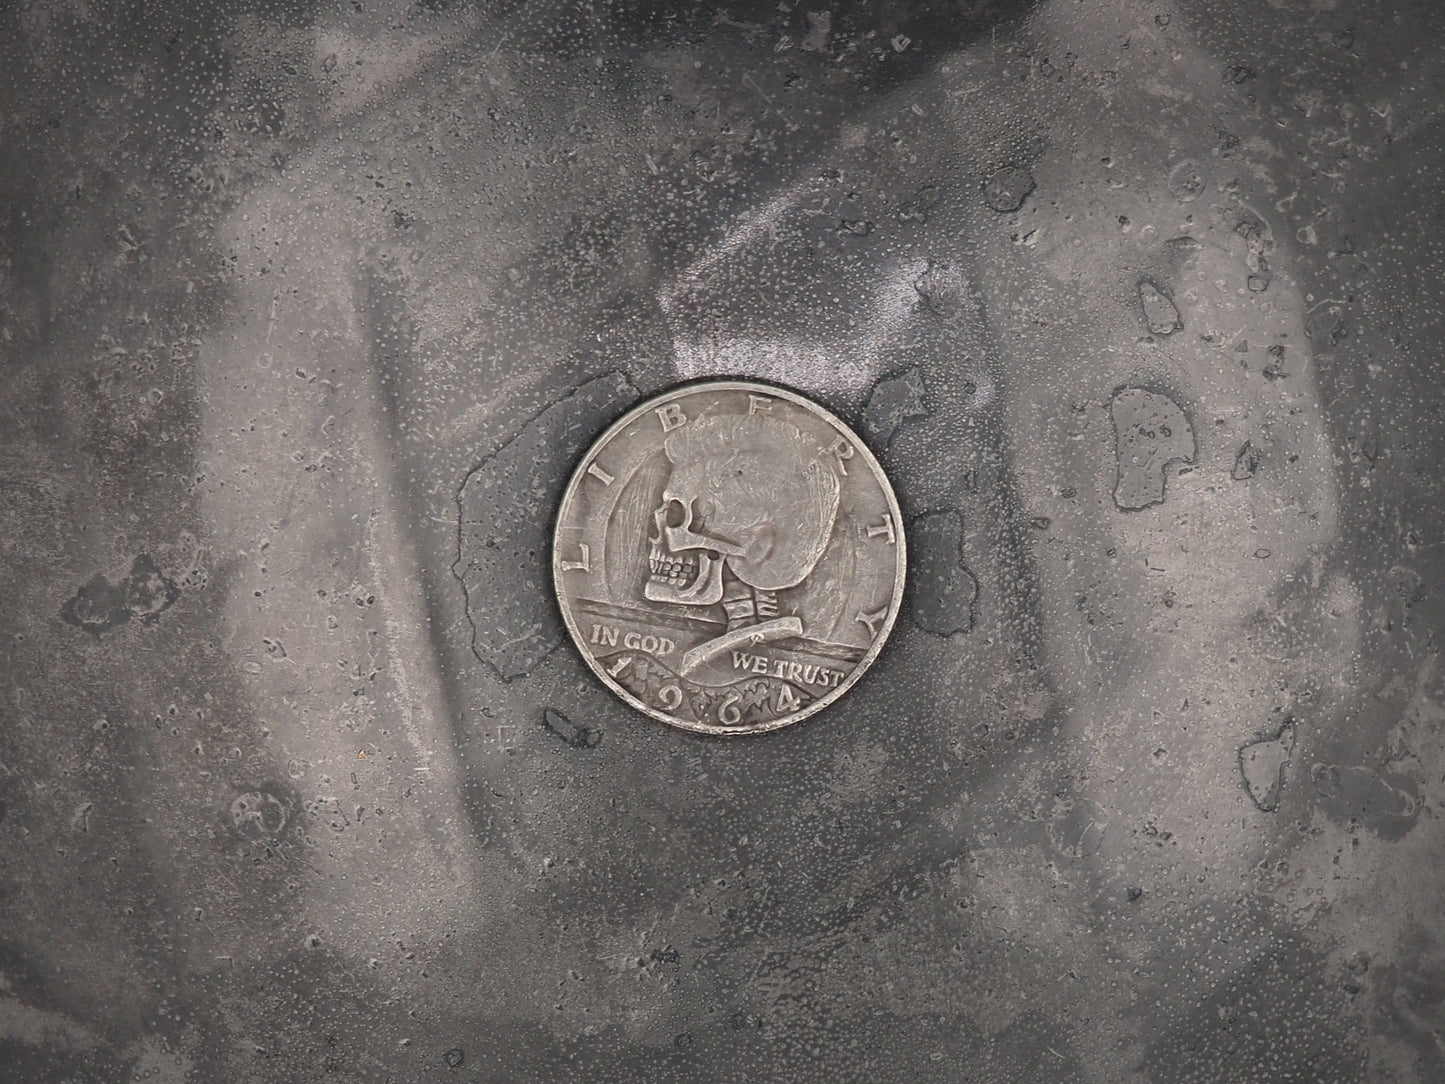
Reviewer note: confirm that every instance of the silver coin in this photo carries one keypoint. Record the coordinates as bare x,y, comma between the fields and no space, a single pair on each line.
729,557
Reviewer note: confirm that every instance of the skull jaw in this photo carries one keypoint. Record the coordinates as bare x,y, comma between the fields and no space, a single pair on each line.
706,588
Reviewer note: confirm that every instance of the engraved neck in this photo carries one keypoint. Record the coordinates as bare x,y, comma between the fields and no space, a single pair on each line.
745,605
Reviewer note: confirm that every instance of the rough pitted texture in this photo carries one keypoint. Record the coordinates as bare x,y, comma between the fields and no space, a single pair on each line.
281,280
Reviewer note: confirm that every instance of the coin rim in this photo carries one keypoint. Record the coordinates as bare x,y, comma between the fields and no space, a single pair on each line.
895,605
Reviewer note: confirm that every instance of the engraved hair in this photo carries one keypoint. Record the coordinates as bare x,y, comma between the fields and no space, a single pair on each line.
763,470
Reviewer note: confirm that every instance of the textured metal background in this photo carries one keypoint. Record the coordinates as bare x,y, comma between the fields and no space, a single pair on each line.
305,312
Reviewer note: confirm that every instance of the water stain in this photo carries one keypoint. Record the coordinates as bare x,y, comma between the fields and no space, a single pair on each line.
1077,829
1182,249
920,205
1161,315
259,815
1264,766
1384,803
577,735
894,400
1186,181
1151,431
1274,368
507,504
943,590
1007,188
1246,463
1409,989
99,606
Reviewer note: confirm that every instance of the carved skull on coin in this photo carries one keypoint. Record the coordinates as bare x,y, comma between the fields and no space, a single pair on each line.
747,494
719,564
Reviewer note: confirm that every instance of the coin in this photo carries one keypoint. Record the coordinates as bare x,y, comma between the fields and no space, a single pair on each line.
729,557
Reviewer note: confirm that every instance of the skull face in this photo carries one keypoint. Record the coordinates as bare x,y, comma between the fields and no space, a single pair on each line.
747,494
686,563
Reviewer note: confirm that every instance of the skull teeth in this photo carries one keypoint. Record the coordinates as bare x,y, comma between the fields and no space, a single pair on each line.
684,576
676,570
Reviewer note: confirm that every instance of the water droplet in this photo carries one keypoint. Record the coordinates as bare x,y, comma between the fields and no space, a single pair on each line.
1182,249
258,815
944,590
1186,181
1263,765
1078,830
1007,189
1161,315
505,546
1326,778
893,401
96,607
917,207
574,734
1246,463
1151,431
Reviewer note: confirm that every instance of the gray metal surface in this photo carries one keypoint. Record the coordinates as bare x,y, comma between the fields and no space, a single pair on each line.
308,311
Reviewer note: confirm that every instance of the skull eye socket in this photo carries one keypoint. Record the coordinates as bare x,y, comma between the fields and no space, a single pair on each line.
675,514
